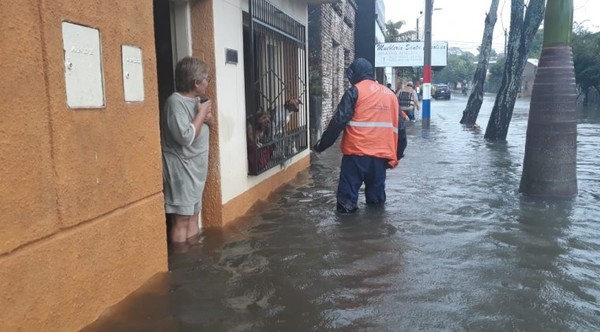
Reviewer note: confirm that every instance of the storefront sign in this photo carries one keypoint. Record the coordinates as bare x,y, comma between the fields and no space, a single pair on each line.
410,54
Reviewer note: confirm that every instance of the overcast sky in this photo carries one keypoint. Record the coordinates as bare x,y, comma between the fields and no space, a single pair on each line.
461,22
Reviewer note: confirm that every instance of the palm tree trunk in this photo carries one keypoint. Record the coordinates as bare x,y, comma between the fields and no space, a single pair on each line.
522,31
471,112
550,162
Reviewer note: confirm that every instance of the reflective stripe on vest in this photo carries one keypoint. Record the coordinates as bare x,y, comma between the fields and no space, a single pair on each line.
373,124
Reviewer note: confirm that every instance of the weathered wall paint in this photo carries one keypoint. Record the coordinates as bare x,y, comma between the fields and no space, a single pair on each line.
81,190
203,47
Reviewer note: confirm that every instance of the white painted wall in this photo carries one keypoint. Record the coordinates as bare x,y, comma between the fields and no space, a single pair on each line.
231,95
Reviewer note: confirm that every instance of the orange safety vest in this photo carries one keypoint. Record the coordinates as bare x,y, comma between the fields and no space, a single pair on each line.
373,129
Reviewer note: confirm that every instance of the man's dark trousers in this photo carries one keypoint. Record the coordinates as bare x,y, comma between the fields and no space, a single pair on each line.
354,171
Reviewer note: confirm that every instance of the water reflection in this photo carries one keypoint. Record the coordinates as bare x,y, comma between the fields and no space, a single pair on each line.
455,248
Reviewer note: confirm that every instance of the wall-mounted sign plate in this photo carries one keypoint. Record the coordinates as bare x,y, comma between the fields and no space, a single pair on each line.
231,56
83,66
133,73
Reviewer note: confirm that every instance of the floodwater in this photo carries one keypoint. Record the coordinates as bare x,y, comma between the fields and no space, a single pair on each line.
455,248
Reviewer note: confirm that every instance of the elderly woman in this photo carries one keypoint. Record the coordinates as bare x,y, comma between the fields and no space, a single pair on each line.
184,138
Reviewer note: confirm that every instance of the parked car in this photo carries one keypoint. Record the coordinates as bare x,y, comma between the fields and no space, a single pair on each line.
441,91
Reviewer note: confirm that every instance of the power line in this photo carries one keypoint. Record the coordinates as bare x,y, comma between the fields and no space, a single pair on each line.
501,12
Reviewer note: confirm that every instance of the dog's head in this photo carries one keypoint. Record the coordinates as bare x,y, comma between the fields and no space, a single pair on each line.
292,105
263,119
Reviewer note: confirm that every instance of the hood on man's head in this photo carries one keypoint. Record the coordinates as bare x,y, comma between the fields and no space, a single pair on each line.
359,70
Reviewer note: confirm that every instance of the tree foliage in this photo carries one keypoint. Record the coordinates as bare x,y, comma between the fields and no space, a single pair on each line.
459,68
495,76
586,57
393,34
535,49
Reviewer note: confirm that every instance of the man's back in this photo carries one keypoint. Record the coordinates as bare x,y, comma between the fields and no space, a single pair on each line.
373,128
406,98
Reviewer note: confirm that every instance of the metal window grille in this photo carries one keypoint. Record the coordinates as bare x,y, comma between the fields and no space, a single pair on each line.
276,108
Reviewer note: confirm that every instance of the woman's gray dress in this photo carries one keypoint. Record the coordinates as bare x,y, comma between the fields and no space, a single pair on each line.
185,158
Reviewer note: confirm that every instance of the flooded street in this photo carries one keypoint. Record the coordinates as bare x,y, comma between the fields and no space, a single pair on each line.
455,248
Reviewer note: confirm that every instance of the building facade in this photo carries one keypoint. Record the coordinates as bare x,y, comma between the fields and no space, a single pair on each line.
81,192
528,77
331,45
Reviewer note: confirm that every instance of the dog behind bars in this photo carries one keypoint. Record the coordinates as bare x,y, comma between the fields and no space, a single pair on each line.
281,115
259,128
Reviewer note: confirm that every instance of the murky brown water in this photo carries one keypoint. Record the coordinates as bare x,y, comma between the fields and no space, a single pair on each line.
455,248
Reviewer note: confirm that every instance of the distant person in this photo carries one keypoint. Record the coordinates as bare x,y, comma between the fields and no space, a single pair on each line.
389,86
402,138
368,115
408,100
185,124
419,90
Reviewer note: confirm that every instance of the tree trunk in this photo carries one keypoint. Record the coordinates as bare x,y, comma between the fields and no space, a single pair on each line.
550,163
471,112
522,31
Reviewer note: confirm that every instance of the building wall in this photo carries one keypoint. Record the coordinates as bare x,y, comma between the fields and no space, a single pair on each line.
333,39
203,47
238,190
81,189
527,79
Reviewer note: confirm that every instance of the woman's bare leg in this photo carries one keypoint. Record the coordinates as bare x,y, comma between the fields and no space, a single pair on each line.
192,229
179,228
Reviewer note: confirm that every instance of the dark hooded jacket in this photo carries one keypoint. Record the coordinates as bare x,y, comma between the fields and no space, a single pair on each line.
360,70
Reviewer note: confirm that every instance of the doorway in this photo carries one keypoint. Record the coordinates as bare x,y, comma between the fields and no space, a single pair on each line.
172,38
172,42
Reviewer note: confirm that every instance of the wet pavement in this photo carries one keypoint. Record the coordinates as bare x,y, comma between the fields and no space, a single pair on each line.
455,248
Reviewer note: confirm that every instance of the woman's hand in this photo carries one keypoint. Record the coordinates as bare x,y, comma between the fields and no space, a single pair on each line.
204,108
203,115
209,119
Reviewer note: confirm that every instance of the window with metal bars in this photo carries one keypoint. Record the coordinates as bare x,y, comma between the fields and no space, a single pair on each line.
275,70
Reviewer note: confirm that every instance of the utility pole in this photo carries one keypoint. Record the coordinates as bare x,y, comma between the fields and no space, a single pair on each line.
505,42
426,117
418,29
420,15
